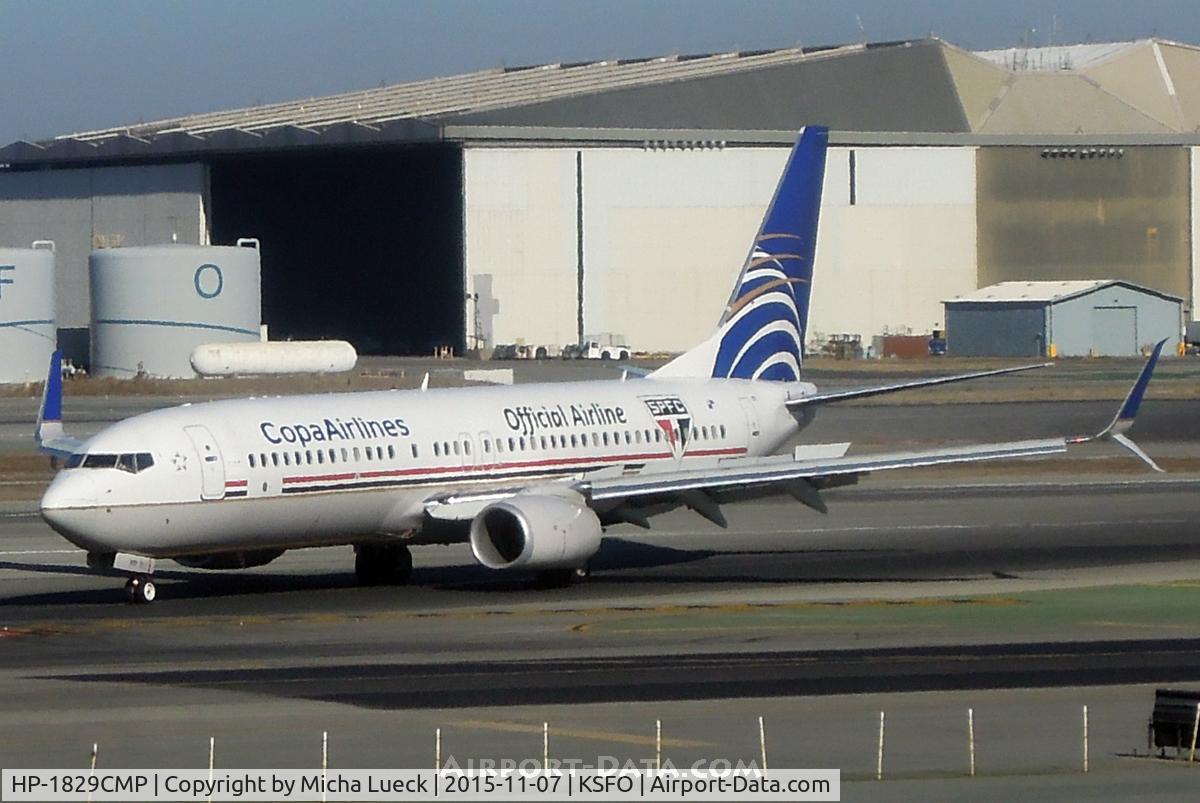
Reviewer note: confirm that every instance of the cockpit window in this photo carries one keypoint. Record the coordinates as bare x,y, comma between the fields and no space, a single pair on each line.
132,462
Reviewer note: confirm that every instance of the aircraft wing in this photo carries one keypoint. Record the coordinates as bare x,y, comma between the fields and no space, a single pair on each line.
732,476
801,475
702,489
879,390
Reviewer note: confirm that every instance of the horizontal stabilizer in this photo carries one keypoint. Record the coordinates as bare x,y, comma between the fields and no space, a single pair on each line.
879,390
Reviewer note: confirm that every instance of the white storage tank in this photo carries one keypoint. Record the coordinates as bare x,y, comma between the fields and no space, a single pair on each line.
279,357
27,328
152,305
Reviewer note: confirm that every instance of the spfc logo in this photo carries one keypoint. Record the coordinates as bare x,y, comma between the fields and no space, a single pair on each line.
672,417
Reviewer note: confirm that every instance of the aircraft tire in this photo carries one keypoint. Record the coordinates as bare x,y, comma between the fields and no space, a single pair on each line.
555,578
366,567
141,590
401,566
382,565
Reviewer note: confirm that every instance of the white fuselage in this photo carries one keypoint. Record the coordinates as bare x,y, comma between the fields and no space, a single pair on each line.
280,473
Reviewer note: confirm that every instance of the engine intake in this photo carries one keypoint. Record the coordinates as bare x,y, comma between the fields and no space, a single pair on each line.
535,532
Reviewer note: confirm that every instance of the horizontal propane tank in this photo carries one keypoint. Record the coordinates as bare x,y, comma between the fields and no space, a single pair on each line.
274,357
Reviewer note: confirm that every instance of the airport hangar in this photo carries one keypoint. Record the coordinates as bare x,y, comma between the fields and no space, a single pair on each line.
539,204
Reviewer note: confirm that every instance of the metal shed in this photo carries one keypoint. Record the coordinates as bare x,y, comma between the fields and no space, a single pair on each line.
1097,318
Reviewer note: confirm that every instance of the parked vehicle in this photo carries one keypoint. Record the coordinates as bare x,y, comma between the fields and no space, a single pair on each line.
593,350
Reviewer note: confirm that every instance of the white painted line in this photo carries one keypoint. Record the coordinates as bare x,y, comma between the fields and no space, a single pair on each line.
894,528
984,486
42,552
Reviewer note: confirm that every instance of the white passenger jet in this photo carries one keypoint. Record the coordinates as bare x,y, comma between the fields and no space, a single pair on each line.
529,475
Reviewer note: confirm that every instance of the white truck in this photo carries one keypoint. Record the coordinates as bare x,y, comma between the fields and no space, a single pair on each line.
608,349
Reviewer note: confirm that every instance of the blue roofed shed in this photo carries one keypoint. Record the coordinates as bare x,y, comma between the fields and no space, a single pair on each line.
1101,318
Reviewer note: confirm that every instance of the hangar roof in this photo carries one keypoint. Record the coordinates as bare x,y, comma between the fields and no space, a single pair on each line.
908,90
1046,292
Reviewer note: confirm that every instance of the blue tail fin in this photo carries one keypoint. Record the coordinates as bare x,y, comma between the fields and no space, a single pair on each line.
761,333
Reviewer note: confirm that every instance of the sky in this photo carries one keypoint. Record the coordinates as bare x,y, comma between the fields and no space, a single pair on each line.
84,64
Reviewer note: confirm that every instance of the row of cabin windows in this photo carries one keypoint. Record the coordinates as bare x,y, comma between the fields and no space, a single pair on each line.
545,442
310,457
501,445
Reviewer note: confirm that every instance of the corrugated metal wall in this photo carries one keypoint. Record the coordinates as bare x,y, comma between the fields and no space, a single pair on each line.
995,330
906,240
1044,218
102,207
664,234
520,244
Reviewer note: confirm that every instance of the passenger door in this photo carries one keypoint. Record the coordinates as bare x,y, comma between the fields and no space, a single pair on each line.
751,414
467,449
486,456
212,466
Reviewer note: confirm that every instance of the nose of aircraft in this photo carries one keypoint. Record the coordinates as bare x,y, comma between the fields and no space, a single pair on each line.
70,489
66,500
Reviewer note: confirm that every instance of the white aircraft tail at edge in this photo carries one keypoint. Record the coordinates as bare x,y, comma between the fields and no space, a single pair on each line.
529,475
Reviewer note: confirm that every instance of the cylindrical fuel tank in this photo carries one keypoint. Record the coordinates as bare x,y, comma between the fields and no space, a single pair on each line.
27,319
279,357
152,305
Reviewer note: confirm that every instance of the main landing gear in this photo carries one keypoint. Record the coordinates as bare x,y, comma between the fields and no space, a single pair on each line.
561,578
382,564
140,589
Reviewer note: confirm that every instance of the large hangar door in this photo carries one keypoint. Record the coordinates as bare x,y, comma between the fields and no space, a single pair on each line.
1114,331
360,244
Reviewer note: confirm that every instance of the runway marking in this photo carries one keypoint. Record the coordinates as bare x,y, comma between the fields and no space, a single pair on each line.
591,735
892,528
41,552
1049,484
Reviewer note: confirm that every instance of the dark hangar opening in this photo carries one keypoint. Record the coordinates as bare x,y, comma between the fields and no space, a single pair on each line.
363,245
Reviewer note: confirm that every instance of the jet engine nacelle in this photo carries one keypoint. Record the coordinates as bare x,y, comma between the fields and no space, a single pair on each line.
535,532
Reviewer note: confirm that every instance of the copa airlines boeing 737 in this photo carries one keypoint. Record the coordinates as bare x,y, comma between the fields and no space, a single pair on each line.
530,475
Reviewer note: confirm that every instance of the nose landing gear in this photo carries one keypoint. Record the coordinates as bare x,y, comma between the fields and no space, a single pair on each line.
140,589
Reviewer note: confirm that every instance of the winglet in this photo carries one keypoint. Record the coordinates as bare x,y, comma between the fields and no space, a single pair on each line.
1129,408
49,424
1123,421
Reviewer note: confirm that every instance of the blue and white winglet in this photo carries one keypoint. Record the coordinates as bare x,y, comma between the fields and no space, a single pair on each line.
1123,421
49,434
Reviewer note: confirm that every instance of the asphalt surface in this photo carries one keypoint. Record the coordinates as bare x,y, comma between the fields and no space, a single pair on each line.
686,676
919,594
